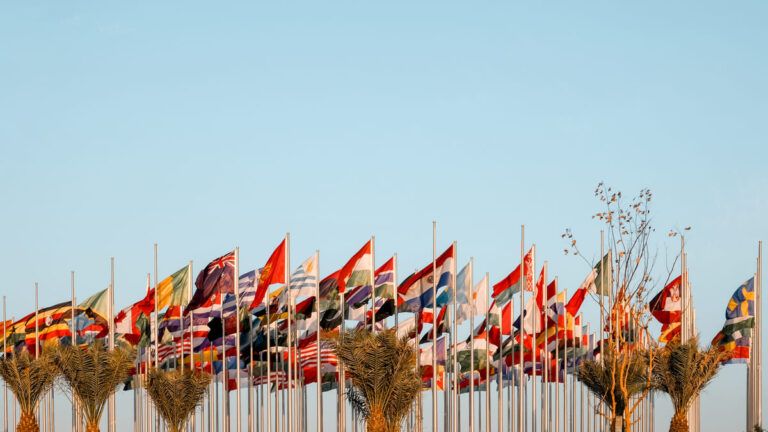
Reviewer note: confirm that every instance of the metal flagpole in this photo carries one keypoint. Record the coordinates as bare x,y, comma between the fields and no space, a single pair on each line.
5,384
111,325
287,276
534,356
487,358
470,296
759,336
520,394
37,330
268,390
499,372
319,383
155,333
73,340
236,283
373,284
289,345
434,326
191,335
545,421
454,359
566,421
557,370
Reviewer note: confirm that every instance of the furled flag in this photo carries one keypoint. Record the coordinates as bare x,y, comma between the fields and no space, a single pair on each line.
273,272
736,336
304,279
416,290
512,283
174,290
217,276
357,271
666,307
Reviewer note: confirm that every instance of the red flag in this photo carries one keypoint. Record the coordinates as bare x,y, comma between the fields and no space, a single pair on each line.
513,279
666,306
353,265
272,273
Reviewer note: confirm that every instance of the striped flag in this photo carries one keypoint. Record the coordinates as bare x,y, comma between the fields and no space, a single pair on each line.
304,279
328,358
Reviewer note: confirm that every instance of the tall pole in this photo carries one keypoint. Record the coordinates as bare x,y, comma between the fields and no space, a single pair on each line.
434,325
533,312
73,337
288,286
470,295
236,283
155,332
5,384
520,394
373,283
318,364
545,421
111,325
487,358
454,359
759,338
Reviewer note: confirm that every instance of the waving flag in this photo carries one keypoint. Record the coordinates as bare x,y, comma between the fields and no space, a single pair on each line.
480,297
357,271
666,307
217,276
385,279
512,283
273,272
736,335
463,288
603,282
174,290
304,279
416,290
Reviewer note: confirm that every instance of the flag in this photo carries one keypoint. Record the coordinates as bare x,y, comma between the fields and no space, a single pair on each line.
736,336
463,307
128,322
45,323
273,272
666,307
511,284
480,296
357,271
603,279
304,280
577,299
174,290
416,291
385,279
217,276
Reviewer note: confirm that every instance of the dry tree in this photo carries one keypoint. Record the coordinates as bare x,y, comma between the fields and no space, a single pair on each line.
28,378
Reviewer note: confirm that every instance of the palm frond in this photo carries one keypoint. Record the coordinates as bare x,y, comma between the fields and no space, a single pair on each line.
176,393
28,377
382,368
93,374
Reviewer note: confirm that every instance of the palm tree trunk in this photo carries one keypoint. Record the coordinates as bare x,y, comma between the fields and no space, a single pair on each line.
92,427
617,424
27,423
679,422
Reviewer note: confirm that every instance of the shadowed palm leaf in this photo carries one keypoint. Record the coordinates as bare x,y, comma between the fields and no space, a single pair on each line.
176,394
93,375
683,370
605,377
28,378
384,379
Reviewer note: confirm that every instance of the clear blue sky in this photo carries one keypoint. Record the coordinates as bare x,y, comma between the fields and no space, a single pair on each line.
202,127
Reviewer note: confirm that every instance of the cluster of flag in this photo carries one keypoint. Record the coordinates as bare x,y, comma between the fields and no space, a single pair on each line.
235,322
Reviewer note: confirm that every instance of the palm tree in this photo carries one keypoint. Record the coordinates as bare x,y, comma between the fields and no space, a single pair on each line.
176,394
93,374
615,378
385,382
682,370
28,378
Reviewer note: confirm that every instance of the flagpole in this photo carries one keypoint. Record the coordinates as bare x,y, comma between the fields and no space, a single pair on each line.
373,284
545,366
191,336
454,360
5,384
534,402
470,295
759,327
499,371
520,394
487,357
434,326
111,326
566,422
72,335
318,365
287,276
